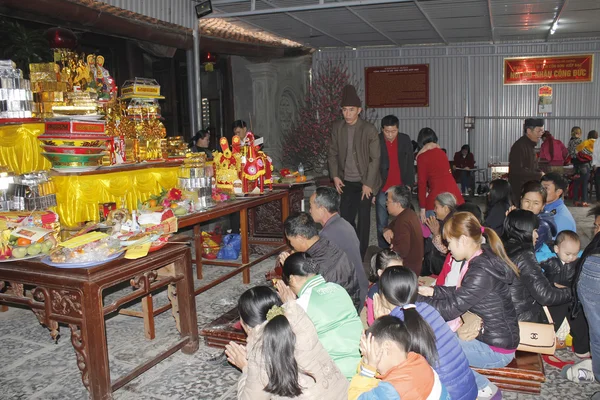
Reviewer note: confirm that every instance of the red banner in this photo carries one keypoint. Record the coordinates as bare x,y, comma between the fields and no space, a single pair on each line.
559,69
397,86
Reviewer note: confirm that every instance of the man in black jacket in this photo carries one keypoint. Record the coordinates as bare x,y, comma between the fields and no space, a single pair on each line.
334,265
397,168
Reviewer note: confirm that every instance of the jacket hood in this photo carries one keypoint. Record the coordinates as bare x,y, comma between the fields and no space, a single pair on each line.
494,265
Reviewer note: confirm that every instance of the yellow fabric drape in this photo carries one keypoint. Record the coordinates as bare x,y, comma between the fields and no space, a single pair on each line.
20,150
78,196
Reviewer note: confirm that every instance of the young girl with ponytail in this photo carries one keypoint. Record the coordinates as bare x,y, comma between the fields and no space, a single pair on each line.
391,369
397,296
283,357
483,290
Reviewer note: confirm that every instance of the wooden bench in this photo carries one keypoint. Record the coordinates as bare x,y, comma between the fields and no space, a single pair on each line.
223,330
525,374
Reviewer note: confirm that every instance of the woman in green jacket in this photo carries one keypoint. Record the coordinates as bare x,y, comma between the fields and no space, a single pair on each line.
329,307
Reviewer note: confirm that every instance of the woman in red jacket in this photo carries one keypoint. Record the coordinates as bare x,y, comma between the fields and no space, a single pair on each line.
433,173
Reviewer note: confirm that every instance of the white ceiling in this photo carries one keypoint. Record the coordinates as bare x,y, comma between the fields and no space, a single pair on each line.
358,23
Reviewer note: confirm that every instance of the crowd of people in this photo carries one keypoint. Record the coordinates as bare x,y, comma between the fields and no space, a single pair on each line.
349,320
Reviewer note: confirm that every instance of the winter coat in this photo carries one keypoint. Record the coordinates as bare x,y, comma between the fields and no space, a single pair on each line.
367,152
340,233
406,159
434,176
338,326
523,166
311,356
413,379
462,162
485,292
557,272
452,366
335,267
495,217
560,152
531,290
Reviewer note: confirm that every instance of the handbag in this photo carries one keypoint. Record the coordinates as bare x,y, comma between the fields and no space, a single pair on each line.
538,337
471,326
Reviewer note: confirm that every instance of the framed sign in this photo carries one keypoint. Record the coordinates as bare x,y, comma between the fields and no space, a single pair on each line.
557,69
397,86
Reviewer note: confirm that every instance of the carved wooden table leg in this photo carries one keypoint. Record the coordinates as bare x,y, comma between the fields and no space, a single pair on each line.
187,304
91,347
3,308
245,245
148,311
172,295
198,244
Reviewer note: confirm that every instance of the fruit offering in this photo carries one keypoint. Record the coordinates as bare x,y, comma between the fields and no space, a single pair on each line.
14,246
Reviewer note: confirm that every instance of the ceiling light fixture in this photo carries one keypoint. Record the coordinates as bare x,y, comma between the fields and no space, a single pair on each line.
554,27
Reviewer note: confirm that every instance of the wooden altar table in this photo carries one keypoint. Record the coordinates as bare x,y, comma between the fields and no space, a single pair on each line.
75,297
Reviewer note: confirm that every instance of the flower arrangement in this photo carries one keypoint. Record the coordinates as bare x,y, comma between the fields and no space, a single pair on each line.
166,198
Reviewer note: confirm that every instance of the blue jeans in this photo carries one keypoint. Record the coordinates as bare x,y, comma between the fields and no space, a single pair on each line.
382,219
581,186
480,355
588,289
465,177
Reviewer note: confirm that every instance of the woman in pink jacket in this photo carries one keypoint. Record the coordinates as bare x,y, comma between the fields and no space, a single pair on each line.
553,151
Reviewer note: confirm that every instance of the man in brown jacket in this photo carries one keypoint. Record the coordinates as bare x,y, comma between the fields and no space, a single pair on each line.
523,165
404,233
354,153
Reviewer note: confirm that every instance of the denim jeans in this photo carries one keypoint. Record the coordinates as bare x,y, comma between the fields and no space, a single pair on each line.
588,289
597,184
480,355
465,177
382,219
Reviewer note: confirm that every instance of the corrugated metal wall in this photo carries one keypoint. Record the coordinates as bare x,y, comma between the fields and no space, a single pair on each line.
467,81
179,12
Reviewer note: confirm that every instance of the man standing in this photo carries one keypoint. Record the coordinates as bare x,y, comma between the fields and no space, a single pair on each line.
353,164
397,167
555,186
301,231
523,165
325,208
404,232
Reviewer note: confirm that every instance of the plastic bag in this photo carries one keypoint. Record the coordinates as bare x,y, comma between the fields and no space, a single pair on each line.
231,247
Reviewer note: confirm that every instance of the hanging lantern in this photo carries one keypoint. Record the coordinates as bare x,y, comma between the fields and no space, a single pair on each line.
209,60
60,38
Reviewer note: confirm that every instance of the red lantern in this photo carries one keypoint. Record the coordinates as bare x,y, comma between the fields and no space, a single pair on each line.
60,38
209,60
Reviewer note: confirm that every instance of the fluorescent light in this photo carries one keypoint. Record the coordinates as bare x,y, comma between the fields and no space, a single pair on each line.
554,27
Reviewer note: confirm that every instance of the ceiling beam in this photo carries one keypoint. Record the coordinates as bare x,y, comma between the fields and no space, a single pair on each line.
430,21
492,27
363,19
310,25
560,11
312,7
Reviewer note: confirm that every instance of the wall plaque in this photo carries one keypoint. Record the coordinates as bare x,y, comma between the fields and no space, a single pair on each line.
557,69
397,86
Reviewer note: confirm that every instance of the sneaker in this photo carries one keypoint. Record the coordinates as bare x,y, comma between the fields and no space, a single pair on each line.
218,360
578,373
490,392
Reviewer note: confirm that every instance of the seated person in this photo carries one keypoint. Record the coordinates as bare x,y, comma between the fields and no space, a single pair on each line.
435,250
533,198
397,296
379,262
531,289
329,308
200,143
463,160
498,202
391,369
325,209
404,232
283,357
561,270
301,231
556,186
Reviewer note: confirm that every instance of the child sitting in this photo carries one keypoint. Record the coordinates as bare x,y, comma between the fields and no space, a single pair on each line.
561,271
379,262
390,370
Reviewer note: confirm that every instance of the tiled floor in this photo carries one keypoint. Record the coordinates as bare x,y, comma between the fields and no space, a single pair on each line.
32,366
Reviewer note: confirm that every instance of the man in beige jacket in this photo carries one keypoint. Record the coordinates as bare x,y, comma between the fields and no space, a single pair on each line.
354,153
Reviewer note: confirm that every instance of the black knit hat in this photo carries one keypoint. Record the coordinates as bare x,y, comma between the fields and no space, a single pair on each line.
349,97
533,122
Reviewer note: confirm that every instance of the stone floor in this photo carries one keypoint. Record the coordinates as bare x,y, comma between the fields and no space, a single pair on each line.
34,367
